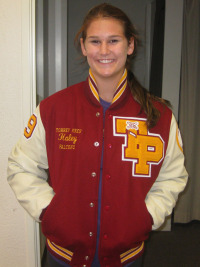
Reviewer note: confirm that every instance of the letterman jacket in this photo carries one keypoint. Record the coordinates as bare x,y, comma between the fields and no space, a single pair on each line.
55,168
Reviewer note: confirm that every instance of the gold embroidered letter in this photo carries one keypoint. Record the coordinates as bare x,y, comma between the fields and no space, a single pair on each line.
144,149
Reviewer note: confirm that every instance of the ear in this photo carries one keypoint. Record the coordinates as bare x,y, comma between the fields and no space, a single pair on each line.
130,46
83,47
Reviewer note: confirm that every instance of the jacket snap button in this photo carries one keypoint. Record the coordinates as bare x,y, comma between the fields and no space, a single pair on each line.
90,234
96,144
91,205
107,207
108,176
98,114
86,258
93,174
109,146
105,236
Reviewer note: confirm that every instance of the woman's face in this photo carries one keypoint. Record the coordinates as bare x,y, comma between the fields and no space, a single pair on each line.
106,48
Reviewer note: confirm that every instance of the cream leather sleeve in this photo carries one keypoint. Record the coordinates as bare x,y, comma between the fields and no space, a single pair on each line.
27,169
171,180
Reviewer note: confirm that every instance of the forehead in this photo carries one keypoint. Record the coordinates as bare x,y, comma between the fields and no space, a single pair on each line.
105,26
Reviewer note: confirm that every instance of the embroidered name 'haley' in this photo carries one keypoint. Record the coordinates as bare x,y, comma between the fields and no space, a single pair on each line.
67,138
141,147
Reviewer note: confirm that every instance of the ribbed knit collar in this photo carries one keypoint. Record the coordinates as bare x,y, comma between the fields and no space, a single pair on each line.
119,90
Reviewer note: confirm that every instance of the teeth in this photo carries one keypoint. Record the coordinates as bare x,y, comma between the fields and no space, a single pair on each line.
106,61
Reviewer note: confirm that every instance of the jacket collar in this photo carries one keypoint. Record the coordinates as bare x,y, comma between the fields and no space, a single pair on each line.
119,91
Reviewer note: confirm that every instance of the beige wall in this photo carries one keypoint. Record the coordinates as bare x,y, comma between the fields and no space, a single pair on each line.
16,227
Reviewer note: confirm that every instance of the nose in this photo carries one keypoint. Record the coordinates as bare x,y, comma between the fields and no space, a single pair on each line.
104,49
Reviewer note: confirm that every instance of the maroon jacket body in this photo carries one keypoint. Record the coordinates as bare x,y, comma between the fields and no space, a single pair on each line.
133,156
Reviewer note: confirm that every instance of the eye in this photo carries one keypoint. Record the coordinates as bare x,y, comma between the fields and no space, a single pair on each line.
113,41
95,41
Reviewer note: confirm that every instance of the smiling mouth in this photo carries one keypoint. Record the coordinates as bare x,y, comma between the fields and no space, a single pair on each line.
106,61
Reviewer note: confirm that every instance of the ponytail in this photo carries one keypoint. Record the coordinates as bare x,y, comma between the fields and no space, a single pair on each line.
145,99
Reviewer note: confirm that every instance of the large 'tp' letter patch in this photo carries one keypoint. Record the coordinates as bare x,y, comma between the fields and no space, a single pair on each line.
141,147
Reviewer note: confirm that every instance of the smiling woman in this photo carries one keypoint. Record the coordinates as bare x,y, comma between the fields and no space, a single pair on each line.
112,151
106,49
99,26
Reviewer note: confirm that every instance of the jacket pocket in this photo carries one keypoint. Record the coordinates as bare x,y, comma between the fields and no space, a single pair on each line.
63,253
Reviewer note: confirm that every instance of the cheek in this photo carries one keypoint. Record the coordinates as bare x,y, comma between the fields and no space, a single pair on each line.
90,57
122,51
123,55
88,51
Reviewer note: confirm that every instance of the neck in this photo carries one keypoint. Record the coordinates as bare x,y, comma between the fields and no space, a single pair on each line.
107,89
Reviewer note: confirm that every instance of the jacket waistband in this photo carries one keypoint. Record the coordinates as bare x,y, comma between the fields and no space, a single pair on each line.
60,251
67,254
131,253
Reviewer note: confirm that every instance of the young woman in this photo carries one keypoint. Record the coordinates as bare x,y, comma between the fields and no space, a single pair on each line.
113,154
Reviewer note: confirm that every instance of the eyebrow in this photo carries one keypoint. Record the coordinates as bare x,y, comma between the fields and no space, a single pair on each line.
110,36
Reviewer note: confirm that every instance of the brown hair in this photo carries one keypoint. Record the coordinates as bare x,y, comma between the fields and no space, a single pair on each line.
140,94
